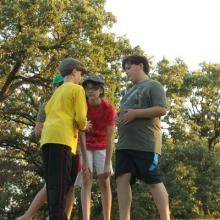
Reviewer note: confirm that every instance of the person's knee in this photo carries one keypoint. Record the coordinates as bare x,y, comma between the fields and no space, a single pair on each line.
71,190
165,194
158,187
104,183
87,183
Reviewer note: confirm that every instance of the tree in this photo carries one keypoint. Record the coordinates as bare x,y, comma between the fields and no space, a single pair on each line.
204,110
193,101
191,176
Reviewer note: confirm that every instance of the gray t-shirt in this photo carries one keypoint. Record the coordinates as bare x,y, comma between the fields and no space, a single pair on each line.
41,116
142,134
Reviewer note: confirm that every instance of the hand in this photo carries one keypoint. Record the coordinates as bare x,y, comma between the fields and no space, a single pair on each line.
128,116
89,125
117,120
107,171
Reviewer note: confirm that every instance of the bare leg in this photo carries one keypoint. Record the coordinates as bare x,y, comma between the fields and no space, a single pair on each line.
41,198
106,196
86,198
160,196
37,203
124,196
69,202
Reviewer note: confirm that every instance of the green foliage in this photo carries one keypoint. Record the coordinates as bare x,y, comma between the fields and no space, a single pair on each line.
191,175
192,101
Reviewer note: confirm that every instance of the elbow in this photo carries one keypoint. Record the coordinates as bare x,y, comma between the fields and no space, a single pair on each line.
37,133
163,111
37,136
82,125
38,129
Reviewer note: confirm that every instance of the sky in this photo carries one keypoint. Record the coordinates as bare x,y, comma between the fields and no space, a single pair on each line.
189,29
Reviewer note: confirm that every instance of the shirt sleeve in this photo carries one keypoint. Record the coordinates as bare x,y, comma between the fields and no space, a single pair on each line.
158,96
80,109
41,116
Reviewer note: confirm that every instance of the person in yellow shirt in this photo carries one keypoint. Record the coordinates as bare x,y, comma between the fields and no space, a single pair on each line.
65,115
41,196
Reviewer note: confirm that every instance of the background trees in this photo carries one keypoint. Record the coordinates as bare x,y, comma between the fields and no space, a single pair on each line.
34,37
193,99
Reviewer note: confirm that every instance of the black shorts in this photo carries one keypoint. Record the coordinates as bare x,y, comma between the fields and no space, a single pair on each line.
142,165
74,168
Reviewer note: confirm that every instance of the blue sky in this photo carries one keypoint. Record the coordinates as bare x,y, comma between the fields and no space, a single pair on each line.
189,29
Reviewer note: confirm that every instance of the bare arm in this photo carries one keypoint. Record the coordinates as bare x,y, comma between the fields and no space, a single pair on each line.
109,148
85,166
38,128
82,139
41,116
151,112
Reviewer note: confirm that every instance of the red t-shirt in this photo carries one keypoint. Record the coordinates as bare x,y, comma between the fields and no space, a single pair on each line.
100,117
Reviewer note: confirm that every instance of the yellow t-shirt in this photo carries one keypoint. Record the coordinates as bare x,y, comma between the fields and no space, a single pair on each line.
65,115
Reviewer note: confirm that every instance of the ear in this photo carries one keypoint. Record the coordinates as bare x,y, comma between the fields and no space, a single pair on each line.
141,66
101,92
74,72
101,89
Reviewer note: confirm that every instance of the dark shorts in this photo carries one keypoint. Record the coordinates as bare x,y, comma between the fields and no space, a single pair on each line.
74,168
142,165
57,160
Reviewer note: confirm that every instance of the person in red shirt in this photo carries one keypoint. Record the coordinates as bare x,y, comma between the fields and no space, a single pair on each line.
99,142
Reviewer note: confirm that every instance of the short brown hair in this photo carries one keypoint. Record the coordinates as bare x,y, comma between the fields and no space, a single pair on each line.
136,59
68,64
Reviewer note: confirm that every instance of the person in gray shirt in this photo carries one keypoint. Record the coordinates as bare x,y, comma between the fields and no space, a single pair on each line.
140,138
